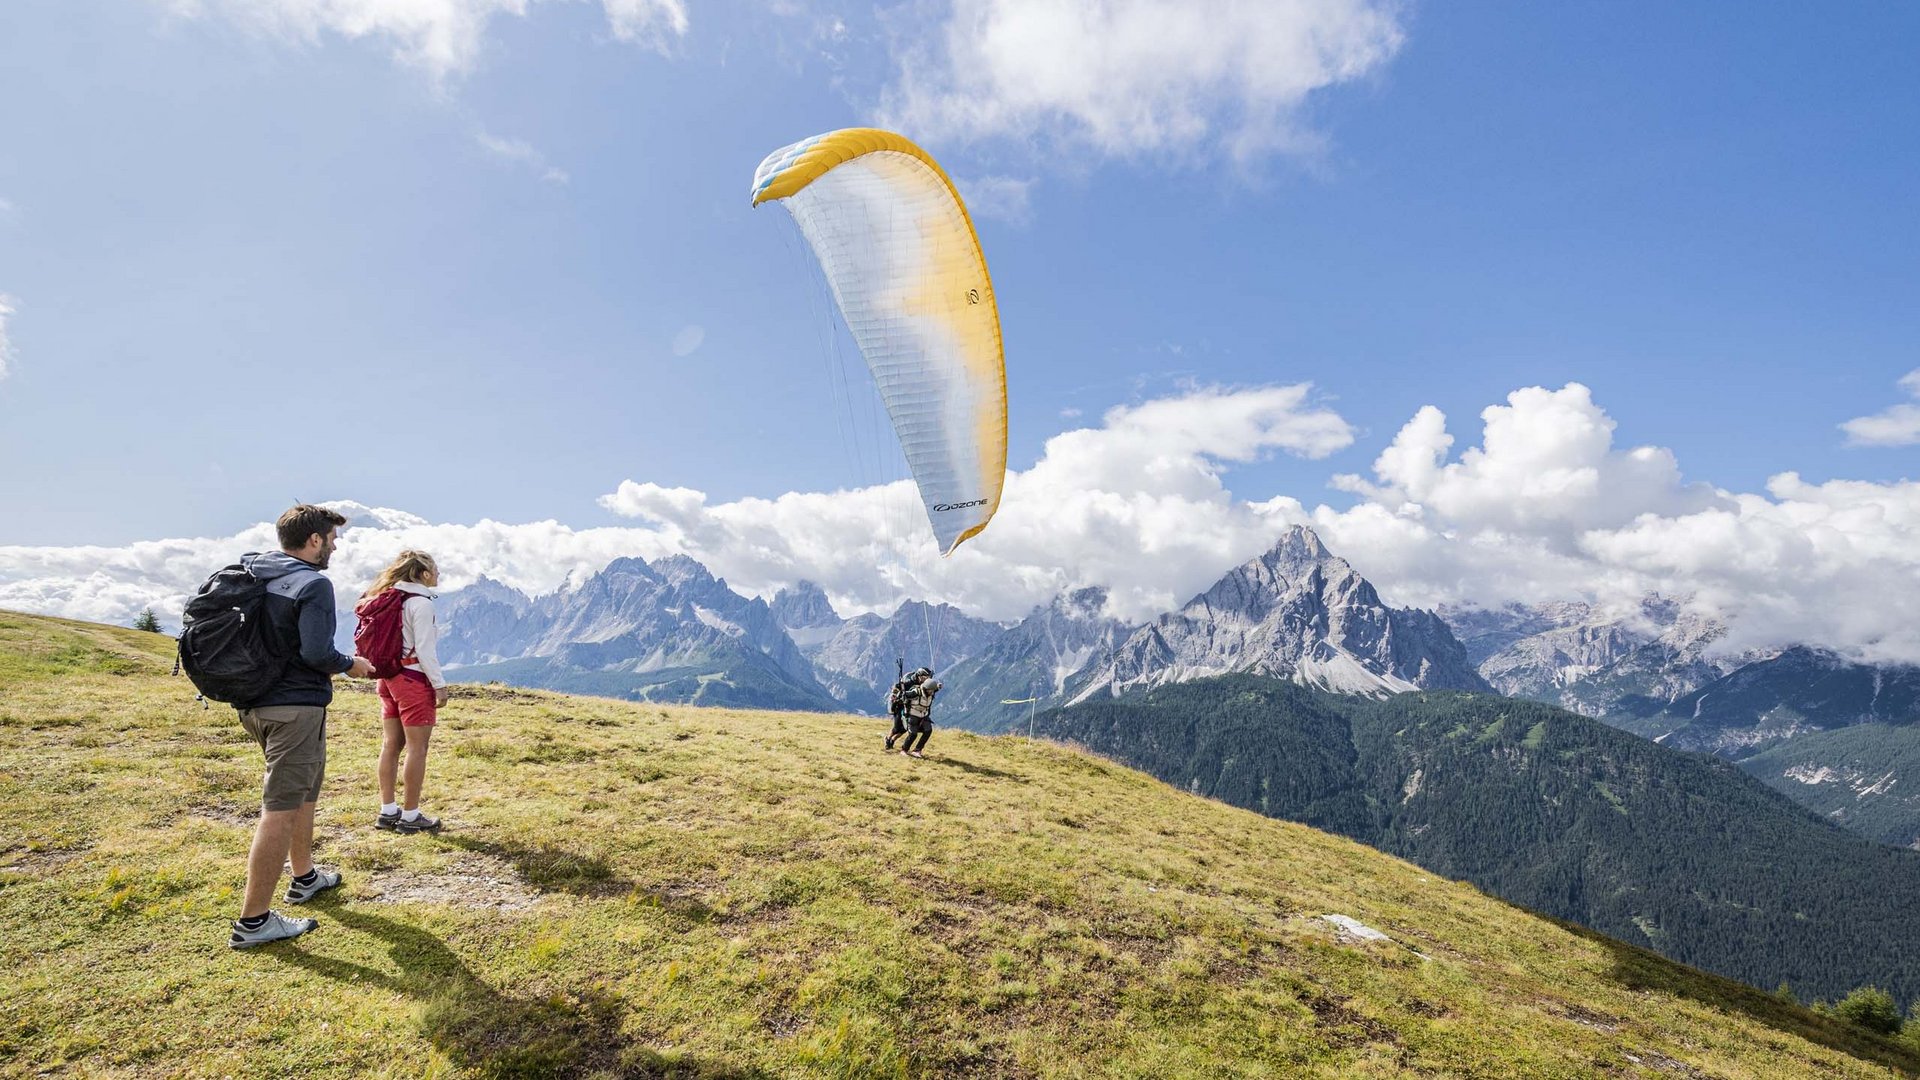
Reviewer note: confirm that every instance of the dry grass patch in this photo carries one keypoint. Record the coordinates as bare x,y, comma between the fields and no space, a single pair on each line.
471,881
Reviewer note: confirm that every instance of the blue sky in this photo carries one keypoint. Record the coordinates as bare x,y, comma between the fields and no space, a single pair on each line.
241,251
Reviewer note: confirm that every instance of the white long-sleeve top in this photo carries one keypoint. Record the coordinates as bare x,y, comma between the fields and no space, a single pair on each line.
419,636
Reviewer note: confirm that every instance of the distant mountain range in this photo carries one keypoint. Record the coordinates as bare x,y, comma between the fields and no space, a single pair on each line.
1594,663
1038,657
858,659
1840,737
666,631
1836,736
638,630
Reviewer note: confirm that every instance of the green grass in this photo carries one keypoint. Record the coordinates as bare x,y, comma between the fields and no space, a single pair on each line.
627,889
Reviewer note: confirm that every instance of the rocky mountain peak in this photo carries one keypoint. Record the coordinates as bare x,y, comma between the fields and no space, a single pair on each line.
485,588
804,605
682,572
1295,611
1298,574
1300,544
626,565
1084,603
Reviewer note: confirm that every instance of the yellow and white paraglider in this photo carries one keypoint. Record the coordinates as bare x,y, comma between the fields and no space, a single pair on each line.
905,267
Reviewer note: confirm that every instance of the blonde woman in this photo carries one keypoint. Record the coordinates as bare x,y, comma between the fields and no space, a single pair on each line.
412,688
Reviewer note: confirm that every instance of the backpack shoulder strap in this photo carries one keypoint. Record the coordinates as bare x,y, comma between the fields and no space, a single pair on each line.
291,585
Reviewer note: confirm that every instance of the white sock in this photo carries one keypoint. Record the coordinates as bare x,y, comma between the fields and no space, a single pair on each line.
389,809
410,815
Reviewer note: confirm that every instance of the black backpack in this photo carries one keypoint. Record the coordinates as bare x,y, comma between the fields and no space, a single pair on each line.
227,646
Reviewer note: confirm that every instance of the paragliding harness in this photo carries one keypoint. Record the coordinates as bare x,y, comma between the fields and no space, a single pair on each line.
897,702
380,636
897,697
227,646
920,703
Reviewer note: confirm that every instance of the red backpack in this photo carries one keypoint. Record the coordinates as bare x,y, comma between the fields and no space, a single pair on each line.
378,638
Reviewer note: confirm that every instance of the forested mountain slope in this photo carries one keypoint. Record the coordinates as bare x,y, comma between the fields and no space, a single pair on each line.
1680,852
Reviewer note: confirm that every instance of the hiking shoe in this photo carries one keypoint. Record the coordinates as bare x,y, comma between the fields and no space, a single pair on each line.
277,928
387,821
322,881
423,823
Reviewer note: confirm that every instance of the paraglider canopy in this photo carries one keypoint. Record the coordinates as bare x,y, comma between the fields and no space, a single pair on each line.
905,267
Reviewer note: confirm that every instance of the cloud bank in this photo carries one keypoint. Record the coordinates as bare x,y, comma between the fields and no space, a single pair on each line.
1134,78
1138,503
1545,507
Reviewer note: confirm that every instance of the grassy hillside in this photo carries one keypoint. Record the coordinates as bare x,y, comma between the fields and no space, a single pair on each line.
629,889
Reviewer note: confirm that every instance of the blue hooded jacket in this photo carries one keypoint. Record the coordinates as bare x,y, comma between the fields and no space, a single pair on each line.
300,609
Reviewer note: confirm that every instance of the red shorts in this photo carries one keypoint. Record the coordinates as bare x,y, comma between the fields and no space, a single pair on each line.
408,698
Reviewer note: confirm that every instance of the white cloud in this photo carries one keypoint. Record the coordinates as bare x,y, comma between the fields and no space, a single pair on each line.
1002,198
1544,508
688,339
1547,468
521,152
114,584
1137,504
1130,78
444,37
1896,425
1547,509
7,310
650,22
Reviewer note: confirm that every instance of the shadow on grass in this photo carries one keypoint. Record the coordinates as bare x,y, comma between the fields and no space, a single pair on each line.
1643,969
493,1034
977,770
552,869
547,868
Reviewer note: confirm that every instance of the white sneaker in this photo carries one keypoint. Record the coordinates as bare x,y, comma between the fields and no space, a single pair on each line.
277,928
322,881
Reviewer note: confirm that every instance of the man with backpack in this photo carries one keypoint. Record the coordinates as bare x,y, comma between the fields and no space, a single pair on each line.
280,679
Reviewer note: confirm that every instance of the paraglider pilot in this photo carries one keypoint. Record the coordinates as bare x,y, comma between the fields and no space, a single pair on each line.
919,699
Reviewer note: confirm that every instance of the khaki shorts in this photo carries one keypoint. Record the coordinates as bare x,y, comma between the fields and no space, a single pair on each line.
295,740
